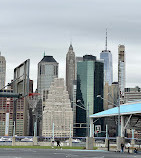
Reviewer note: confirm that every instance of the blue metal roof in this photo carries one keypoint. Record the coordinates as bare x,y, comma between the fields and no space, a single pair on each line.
125,109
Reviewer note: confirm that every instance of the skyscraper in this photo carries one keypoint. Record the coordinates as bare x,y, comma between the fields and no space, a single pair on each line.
6,106
70,71
20,108
108,66
57,114
89,84
2,71
121,71
16,110
78,59
112,90
47,71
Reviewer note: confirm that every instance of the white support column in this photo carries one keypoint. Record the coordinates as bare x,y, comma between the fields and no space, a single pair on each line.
106,139
35,140
13,141
89,143
122,126
133,134
70,130
91,128
133,138
53,131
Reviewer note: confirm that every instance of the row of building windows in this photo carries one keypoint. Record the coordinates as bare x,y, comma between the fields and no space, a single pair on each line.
1,61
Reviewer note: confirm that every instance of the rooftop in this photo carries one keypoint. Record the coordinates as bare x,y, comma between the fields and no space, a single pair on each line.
48,59
125,109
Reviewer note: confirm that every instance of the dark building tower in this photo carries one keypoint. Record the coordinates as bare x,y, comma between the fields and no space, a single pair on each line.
70,71
90,78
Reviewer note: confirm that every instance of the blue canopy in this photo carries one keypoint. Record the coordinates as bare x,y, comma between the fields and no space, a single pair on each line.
125,109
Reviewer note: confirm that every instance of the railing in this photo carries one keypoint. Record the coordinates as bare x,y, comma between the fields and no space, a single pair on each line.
64,141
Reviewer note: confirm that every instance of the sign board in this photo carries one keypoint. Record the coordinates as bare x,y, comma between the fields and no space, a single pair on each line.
97,129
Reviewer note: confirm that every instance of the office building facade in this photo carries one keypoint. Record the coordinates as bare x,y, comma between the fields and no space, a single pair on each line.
57,114
6,116
78,59
21,86
132,94
106,55
110,94
108,64
90,78
2,71
47,71
70,71
121,72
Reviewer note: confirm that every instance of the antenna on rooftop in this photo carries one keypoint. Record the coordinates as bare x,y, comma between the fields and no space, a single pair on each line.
44,53
106,41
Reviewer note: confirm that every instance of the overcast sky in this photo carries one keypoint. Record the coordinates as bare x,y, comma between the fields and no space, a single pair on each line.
30,27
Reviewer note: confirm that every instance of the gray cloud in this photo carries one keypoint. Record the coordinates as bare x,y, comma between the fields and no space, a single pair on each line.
27,28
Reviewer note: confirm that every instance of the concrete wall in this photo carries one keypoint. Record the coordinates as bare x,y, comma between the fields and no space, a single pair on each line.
23,143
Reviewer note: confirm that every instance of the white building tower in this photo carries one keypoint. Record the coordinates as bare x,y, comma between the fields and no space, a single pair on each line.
2,71
106,55
121,71
57,114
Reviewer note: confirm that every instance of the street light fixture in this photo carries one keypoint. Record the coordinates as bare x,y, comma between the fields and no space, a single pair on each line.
117,105
87,112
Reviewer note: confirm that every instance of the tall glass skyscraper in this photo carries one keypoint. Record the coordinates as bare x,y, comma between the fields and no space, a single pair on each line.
108,66
89,84
106,55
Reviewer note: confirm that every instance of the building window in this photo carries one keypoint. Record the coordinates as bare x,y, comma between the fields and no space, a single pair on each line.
42,69
56,70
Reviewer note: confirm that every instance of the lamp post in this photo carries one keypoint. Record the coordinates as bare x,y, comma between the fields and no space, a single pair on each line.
119,133
89,138
117,105
87,112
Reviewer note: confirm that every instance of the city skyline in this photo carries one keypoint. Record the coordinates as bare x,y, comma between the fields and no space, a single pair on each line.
30,28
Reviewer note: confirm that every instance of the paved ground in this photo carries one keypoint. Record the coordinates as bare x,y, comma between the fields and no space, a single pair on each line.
46,153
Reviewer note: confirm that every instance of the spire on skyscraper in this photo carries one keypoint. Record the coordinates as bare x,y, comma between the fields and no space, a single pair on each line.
70,70
70,48
106,41
108,67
